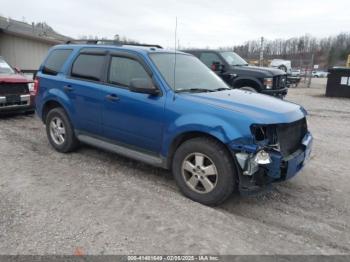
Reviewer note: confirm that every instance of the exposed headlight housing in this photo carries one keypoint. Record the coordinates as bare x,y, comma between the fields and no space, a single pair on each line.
265,135
268,82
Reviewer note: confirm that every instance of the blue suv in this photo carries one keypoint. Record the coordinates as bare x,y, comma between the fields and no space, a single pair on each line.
169,110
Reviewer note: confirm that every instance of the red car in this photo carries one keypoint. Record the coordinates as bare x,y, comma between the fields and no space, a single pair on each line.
16,91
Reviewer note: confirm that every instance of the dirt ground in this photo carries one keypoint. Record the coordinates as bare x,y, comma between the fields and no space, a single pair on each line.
102,203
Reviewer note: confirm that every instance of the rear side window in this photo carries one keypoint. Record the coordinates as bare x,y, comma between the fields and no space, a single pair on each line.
55,61
122,70
89,66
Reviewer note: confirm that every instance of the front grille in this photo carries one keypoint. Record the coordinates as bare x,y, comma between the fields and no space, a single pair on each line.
290,136
279,82
13,89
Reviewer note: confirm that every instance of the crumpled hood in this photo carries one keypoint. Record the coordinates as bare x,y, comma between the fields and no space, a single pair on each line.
13,78
261,109
268,71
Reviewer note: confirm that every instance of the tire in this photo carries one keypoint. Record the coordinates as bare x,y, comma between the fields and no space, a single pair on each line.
283,68
60,131
197,188
249,88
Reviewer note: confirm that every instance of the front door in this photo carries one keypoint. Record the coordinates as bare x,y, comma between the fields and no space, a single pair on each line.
133,119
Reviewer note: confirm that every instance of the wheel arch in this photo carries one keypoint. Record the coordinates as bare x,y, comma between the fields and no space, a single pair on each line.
252,82
185,136
49,105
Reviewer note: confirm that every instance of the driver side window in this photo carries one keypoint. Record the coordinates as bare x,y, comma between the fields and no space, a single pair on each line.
209,59
122,70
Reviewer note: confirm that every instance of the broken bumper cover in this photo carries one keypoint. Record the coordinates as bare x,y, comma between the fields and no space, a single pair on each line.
261,167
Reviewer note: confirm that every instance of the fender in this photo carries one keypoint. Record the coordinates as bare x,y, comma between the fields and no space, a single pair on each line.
203,123
243,78
60,97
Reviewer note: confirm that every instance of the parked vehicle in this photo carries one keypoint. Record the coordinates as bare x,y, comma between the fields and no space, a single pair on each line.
294,78
296,73
16,91
132,101
284,65
236,72
319,74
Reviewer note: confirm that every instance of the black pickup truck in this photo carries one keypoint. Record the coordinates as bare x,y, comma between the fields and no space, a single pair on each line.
236,72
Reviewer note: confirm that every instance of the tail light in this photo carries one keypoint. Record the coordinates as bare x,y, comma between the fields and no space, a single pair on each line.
36,86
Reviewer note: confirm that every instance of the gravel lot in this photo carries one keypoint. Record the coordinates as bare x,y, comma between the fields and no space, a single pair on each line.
101,203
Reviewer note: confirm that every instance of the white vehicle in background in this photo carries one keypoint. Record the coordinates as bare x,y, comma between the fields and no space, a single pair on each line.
285,65
320,74
295,72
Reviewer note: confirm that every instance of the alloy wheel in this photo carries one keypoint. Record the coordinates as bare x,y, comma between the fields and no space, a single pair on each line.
199,173
57,131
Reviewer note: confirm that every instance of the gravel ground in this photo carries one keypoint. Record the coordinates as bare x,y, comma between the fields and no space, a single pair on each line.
95,202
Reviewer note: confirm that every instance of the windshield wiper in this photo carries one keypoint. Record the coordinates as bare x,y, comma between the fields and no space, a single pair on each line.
241,65
199,90
222,89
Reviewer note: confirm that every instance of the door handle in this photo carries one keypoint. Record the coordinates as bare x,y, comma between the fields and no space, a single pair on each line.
68,88
112,97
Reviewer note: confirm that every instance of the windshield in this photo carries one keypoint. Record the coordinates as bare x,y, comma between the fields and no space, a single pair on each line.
233,59
5,68
190,74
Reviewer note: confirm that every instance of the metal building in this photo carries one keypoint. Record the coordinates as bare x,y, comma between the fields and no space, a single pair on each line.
25,45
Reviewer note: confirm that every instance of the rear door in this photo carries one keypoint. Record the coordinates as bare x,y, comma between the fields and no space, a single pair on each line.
134,119
84,87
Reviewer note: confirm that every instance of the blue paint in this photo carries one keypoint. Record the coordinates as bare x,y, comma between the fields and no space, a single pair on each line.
152,123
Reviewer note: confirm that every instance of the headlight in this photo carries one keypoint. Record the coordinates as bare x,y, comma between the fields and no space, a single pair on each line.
268,82
31,87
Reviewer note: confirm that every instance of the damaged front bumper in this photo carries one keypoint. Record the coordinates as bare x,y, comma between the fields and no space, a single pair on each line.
260,167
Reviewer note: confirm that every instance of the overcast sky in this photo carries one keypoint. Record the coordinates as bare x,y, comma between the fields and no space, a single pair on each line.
201,23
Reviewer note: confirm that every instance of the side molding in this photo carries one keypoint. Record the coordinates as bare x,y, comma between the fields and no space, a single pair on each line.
124,151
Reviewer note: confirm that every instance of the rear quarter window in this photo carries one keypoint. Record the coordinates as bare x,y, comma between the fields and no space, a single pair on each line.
55,61
88,66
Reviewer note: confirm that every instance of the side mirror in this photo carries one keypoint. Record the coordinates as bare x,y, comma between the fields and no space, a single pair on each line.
217,67
143,85
17,70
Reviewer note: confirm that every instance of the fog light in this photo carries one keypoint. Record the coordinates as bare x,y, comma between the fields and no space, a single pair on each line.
262,158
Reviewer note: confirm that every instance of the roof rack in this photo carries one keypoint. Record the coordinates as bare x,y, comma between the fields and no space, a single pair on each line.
107,42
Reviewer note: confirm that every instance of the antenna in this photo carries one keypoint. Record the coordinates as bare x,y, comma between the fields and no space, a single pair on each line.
175,54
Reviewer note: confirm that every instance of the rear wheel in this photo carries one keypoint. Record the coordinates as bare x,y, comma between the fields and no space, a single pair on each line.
204,171
283,68
60,131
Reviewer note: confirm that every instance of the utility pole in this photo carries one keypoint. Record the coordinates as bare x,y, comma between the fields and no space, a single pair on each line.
261,60
310,74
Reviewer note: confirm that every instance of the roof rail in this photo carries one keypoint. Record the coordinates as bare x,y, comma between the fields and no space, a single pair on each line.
145,45
108,42
92,41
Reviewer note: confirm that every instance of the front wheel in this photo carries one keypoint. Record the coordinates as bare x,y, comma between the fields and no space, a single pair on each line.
204,171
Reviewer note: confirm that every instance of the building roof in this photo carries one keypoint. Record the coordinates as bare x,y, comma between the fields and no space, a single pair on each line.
39,32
